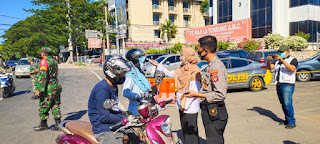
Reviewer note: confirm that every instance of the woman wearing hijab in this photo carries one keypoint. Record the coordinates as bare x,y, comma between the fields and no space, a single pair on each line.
187,77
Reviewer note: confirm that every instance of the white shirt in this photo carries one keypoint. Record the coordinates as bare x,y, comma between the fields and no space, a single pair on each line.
192,104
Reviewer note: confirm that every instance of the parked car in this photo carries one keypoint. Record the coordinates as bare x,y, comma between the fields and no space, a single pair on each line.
154,56
12,64
242,73
22,68
261,56
170,62
93,59
309,69
238,53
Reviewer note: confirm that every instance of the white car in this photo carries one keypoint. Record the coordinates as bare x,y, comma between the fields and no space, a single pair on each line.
22,68
170,62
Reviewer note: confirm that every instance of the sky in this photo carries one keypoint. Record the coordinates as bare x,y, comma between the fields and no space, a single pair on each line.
11,11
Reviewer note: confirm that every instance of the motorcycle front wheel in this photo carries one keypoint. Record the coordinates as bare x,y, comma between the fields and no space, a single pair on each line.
2,94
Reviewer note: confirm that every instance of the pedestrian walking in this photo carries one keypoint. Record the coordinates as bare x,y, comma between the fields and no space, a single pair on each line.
34,70
213,91
285,68
49,90
187,77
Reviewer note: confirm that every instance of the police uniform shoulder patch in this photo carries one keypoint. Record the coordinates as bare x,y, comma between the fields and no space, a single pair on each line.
214,75
43,65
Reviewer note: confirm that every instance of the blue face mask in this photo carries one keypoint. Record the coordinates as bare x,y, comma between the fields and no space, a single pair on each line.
121,80
142,59
283,55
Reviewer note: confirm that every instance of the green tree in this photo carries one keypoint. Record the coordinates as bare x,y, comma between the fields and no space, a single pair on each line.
204,6
306,36
168,29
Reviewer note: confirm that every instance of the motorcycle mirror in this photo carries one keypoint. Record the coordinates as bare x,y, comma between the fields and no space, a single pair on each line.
108,104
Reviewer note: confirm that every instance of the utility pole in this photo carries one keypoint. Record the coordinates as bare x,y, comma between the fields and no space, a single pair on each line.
107,34
117,34
122,34
70,38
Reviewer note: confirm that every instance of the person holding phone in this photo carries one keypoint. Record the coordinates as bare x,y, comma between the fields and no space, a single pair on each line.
187,77
285,68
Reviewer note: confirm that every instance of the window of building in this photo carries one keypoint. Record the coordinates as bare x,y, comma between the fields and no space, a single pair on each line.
156,34
207,21
311,27
171,17
185,21
295,3
225,11
156,18
155,2
171,3
261,15
185,7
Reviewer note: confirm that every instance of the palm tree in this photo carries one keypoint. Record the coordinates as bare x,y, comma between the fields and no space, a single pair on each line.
168,29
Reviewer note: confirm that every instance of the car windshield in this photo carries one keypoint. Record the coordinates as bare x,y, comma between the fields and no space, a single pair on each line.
201,64
234,54
11,62
255,55
160,59
23,62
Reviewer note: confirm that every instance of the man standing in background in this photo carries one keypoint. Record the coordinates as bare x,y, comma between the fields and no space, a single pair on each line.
34,70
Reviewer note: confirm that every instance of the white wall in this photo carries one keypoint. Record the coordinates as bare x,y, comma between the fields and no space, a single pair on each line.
215,11
302,13
240,9
280,20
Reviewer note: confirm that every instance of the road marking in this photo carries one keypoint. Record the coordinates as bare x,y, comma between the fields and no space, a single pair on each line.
96,75
120,105
1,99
308,110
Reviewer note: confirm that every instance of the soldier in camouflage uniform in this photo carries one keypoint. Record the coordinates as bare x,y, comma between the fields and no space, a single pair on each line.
34,70
49,89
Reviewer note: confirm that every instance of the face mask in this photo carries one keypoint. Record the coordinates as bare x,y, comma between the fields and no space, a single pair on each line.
202,57
283,55
142,59
121,80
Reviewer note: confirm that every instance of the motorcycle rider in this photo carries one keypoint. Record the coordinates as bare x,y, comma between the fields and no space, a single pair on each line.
115,67
4,68
136,85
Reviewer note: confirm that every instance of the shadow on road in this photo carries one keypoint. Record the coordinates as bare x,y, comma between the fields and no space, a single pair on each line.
179,133
75,115
267,113
289,142
20,93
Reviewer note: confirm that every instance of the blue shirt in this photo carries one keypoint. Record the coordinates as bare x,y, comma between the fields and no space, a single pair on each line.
101,118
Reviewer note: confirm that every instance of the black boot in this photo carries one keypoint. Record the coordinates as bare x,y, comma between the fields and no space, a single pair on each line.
43,126
56,126
35,97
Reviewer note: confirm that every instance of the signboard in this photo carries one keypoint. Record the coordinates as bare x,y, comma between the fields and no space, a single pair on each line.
143,45
62,49
94,43
91,34
233,31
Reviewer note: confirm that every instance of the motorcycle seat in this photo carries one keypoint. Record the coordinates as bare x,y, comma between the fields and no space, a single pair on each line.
82,128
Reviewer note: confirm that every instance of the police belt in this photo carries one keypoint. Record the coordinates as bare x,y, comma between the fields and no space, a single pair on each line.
204,104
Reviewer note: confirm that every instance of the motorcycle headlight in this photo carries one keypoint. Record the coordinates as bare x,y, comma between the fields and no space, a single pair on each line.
166,126
154,142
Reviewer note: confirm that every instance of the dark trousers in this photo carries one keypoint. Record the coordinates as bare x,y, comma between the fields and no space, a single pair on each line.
189,126
214,128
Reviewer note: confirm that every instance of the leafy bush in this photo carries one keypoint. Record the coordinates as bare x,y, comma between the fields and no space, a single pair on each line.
233,46
154,51
273,40
306,36
294,42
223,45
80,64
249,45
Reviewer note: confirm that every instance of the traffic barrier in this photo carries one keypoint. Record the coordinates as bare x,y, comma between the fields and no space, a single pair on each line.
167,90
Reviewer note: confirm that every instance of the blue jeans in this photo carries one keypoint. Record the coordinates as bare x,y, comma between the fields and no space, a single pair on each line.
285,93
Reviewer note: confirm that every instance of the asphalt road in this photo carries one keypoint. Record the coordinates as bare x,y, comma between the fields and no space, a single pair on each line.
253,116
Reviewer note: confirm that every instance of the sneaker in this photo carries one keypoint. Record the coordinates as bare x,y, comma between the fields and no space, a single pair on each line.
283,123
290,126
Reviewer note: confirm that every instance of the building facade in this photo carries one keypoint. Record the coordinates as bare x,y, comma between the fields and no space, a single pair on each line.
285,17
146,16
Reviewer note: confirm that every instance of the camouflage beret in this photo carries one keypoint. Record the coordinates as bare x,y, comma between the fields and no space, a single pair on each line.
31,58
46,50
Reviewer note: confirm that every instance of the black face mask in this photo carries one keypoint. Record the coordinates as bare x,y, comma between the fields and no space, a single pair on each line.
202,57
121,80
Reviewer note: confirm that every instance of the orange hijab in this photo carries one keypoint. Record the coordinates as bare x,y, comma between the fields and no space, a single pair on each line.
188,70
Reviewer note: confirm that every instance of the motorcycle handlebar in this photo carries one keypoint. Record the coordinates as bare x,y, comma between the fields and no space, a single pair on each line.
116,125
168,101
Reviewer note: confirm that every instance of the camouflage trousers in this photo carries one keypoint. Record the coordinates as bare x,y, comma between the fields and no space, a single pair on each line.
50,101
34,85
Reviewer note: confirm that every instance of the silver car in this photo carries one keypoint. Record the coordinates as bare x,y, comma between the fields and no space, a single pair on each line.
170,62
22,68
242,73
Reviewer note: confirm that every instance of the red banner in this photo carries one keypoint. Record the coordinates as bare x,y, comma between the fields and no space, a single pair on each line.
94,43
232,31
